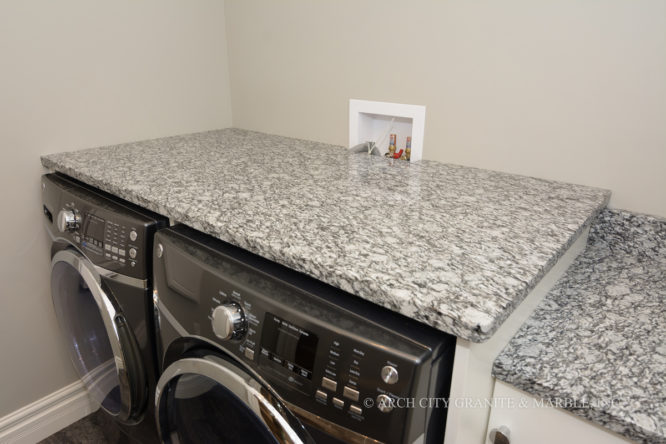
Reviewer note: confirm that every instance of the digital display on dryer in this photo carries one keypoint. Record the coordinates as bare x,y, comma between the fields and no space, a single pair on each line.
94,229
288,345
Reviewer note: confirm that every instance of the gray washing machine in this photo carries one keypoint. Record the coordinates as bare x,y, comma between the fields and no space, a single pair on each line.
254,352
102,295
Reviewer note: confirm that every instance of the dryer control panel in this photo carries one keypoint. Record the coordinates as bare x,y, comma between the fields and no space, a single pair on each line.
113,234
341,363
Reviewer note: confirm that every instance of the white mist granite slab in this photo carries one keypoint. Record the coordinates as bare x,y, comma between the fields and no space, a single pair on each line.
453,247
599,336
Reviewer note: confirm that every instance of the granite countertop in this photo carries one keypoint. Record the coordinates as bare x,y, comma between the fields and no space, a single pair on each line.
453,247
599,335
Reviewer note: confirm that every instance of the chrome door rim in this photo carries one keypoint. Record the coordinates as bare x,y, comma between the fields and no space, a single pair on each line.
241,384
108,313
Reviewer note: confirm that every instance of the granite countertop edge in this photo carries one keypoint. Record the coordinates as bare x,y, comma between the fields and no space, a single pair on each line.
485,334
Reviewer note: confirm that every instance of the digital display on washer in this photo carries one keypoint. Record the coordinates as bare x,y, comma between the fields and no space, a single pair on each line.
288,345
94,229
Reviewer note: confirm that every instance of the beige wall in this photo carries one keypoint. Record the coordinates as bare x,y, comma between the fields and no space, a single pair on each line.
77,74
570,90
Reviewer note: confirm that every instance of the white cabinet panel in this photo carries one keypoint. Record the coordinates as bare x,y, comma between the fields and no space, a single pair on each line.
530,422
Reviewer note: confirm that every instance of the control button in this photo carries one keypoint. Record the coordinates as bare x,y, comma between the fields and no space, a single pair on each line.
132,252
249,353
68,220
115,258
350,393
133,235
114,250
107,247
329,384
359,353
322,396
132,263
356,410
121,252
228,320
108,255
339,403
384,403
122,261
389,374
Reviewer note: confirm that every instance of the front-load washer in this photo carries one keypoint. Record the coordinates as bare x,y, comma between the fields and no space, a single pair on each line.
102,295
253,352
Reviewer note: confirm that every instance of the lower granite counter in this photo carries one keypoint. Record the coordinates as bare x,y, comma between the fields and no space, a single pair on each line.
599,335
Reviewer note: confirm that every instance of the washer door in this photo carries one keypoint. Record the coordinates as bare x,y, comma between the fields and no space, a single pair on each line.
101,344
210,398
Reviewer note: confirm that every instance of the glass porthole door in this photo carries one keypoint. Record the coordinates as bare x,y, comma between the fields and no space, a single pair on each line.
210,398
98,337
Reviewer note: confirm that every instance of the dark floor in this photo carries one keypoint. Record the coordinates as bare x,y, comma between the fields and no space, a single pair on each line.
96,428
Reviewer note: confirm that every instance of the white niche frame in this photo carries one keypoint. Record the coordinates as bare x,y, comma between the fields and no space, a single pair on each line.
371,121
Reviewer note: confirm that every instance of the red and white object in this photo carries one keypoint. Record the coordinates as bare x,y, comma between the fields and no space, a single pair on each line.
374,121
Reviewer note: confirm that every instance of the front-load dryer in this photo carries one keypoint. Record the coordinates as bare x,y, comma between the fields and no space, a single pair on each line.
102,296
253,352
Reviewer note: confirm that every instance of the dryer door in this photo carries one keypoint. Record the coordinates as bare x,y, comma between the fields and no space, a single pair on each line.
210,398
101,344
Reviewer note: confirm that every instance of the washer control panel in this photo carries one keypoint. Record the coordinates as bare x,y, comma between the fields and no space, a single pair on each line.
112,234
118,245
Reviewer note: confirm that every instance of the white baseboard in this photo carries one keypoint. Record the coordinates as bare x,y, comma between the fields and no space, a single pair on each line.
46,416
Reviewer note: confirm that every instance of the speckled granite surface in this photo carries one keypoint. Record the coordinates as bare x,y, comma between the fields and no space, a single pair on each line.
454,247
599,336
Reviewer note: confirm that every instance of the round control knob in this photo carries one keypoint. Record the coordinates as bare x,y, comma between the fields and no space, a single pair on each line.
384,403
389,374
133,235
229,321
132,253
68,220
